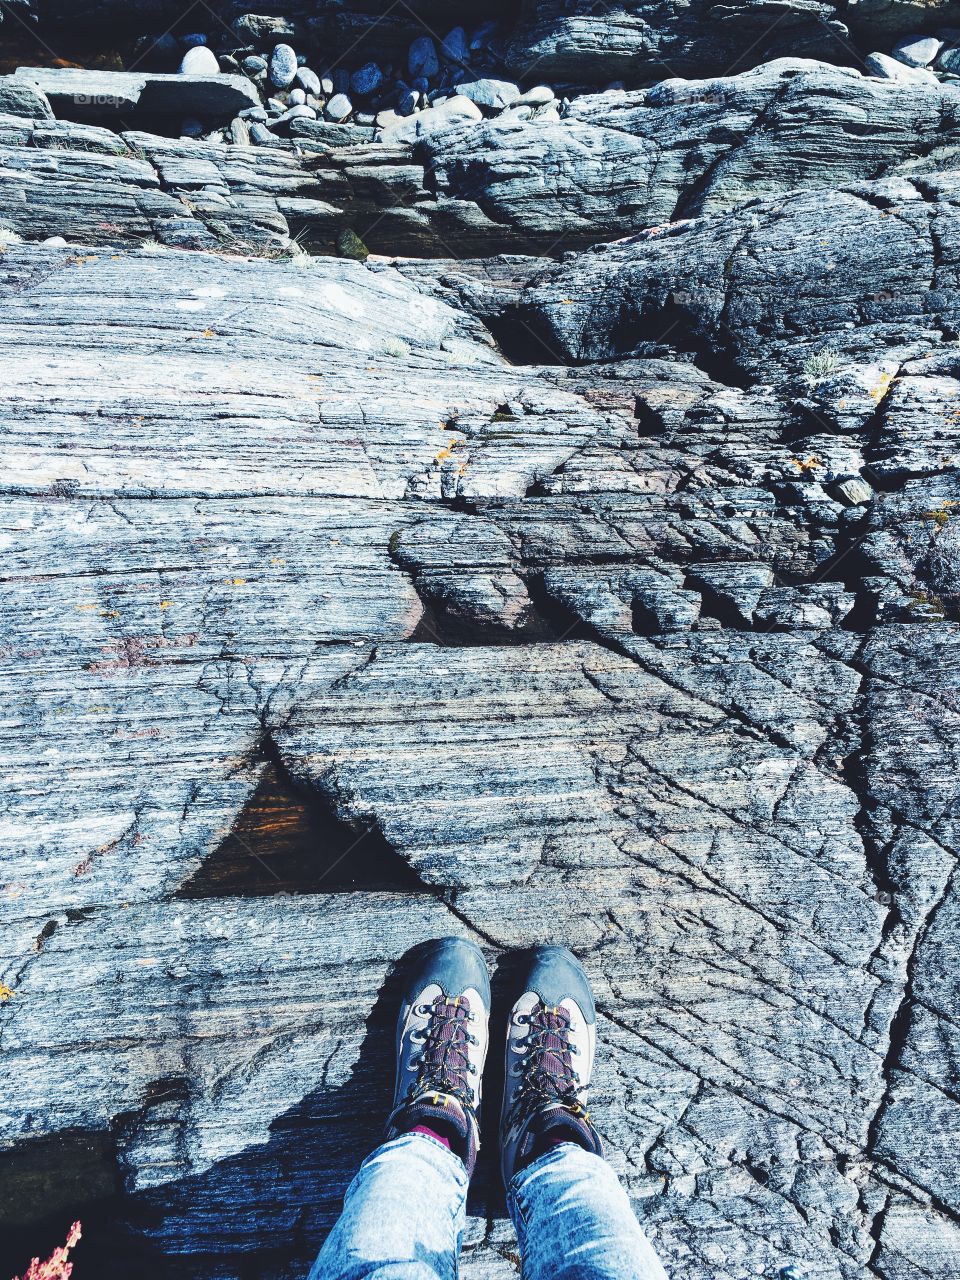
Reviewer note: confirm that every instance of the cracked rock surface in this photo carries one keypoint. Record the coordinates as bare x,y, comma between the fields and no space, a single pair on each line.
580,567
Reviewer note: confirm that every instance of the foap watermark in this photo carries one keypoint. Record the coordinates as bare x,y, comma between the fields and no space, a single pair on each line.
100,100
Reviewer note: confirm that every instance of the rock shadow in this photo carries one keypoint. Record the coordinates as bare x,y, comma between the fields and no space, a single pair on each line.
260,1214
288,839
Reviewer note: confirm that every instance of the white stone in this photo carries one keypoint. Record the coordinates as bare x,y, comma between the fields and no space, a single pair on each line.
887,68
200,61
536,97
917,51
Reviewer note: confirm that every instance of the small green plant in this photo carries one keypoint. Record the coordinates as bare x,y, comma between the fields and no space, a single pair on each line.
927,604
819,366
349,245
8,237
152,246
395,347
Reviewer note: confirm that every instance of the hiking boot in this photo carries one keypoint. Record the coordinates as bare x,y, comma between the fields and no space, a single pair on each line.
551,1040
442,1036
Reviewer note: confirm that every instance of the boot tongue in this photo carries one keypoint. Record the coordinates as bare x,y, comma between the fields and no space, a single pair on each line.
556,1046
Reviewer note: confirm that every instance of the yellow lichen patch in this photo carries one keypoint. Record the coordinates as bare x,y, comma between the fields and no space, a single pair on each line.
277,560
447,451
165,604
940,515
235,582
882,386
6,993
807,464
209,333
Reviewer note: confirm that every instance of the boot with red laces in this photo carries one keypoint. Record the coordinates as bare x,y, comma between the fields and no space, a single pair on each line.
442,1036
551,1040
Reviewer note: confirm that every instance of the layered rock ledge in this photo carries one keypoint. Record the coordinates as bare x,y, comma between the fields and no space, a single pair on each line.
601,590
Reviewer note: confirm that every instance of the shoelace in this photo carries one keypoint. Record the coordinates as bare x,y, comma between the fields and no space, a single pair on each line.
444,1062
546,1070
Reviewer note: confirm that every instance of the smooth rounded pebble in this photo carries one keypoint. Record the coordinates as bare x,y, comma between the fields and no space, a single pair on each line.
462,107
338,108
422,57
887,68
917,51
492,94
200,61
537,97
367,80
309,80
297,113
454,46
407,103
283,66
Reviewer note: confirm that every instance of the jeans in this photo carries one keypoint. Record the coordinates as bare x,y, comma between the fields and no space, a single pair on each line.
404,1215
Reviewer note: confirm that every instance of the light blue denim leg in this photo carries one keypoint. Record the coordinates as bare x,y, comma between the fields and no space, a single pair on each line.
574,1221
403,1216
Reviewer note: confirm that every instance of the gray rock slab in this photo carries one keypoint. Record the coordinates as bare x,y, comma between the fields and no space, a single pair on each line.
19,99
809,262
443,180
347,605
70,91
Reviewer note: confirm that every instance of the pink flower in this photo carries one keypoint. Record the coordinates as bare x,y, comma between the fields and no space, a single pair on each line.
56,1266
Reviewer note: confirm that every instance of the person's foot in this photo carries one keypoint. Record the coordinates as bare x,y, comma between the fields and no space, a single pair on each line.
551,1040
442,1036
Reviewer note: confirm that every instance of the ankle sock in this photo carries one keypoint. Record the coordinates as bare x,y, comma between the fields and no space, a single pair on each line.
432,1133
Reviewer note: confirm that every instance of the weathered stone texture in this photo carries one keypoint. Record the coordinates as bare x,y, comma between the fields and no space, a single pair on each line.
609,600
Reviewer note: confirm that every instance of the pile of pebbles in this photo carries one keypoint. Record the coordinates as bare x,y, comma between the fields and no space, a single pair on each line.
441,81
920,57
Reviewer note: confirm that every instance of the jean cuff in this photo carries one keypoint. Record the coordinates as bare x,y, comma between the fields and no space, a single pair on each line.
430,1149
